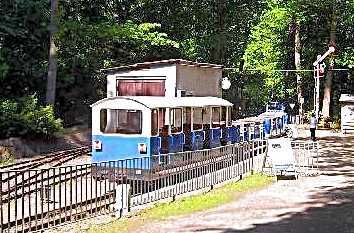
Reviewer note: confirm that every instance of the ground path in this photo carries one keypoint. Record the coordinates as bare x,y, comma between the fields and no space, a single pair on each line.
321,204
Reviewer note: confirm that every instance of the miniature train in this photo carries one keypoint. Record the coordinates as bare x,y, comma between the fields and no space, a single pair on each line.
128,127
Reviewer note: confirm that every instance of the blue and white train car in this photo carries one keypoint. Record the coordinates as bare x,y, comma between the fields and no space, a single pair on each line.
135,126
274,123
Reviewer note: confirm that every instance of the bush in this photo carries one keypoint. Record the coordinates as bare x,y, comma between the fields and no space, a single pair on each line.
308,116
5,156
336,123
25,117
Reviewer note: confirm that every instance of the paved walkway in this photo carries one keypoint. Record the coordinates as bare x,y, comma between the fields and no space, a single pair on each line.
321,204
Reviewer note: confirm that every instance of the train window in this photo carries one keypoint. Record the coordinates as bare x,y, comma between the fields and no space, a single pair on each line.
215,117
176,120
187,119
122,121
197,118
229,116
223,116
206,118
154,122
103,119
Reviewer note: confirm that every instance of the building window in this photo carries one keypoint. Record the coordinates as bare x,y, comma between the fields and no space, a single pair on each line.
140,87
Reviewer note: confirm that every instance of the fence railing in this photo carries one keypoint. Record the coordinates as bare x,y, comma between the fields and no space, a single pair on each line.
36,199
306,157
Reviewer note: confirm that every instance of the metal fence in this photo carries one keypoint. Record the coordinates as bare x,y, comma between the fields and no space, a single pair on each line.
36,199
306,157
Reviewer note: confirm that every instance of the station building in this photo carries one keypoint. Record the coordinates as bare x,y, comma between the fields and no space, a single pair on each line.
170,78
347,113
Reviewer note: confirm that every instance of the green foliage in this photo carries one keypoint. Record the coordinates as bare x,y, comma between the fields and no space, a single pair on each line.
86,47
23,46
94,35
6,157
104,44
336,124
265,52
308,115
25,117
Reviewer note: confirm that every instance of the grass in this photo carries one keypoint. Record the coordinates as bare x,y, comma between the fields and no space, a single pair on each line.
188,205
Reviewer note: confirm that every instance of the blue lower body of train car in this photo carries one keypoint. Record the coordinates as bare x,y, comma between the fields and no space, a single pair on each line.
120,147
257,133
234,134
267,127
280,124
246,133
122,157
286,119
194,140
176,142
213,138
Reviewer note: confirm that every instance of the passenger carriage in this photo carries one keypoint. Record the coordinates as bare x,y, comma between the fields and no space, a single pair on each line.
274,123
147,126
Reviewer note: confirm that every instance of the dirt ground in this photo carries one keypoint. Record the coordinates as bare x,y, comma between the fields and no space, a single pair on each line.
323,203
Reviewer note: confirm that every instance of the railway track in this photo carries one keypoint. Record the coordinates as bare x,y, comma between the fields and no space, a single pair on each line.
45,159
40,179
21,176
53,159
57,216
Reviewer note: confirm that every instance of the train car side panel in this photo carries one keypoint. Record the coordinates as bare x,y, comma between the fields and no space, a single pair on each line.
120,147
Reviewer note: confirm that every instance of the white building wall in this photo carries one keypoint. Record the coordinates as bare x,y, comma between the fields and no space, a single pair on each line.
347,113
347,117
201,81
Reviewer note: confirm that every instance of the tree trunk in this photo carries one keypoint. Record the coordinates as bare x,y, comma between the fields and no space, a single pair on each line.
328,82
52,66
297,61
218,52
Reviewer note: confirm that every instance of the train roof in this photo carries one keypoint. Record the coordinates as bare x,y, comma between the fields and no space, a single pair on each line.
167,102
148,65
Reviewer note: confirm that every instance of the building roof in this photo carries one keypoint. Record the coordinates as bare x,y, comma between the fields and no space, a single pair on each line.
167,102
346,98
148,65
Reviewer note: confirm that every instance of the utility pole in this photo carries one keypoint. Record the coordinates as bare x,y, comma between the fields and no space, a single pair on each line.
318,70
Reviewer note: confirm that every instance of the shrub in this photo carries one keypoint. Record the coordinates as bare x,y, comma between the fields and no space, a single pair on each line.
6,156
308,116
25,117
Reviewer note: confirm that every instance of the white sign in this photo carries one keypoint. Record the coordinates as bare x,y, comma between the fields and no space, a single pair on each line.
281,155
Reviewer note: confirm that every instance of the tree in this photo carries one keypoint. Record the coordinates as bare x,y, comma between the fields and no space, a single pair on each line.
23,47
265,52
52,61
297,62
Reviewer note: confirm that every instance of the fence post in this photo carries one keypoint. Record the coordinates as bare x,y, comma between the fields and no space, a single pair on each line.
252,163
122,199
1,209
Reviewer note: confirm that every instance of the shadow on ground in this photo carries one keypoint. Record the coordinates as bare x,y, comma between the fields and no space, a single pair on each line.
332,208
